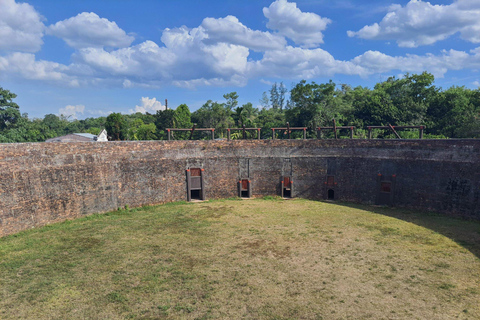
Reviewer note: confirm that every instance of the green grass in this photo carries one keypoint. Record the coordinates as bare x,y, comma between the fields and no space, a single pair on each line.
255,259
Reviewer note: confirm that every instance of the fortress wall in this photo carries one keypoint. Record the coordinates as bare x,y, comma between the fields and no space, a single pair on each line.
41,183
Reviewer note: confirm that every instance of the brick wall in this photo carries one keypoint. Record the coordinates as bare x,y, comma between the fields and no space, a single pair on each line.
42,183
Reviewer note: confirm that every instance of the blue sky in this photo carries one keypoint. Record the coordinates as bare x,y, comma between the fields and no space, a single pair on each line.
89,58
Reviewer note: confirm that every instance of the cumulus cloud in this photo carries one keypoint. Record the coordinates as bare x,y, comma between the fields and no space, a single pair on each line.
421,23
301,63
294,62
376,62
197,60
72,111
25,66
146,60
230,30
217,53
87,30
21,27
148,105
233,81
304,28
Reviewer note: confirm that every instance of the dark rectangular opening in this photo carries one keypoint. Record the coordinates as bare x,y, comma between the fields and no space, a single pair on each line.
244,188
196,194
287,193
195,184
386,187
330,180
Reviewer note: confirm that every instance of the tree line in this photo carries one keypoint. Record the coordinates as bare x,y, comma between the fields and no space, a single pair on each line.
407,101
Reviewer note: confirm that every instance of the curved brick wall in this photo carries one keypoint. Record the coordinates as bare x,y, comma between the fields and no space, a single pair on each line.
42,183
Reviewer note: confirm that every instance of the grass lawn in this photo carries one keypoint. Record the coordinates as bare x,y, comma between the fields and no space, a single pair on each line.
249,259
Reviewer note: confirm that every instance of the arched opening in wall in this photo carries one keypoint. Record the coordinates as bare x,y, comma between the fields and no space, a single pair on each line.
331,194
195,184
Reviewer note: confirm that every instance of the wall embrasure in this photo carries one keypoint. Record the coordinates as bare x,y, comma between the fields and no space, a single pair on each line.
41,183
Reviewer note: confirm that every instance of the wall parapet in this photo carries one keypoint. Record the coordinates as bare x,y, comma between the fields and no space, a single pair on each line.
43,183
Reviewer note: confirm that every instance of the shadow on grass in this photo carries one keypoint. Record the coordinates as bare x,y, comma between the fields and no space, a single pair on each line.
464,232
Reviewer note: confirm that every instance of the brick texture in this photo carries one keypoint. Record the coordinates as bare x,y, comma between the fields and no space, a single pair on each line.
41,183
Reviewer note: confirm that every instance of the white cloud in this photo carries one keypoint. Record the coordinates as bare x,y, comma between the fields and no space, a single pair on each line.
21,27
299,63
87,30
72,111
217,53
232,31
476,83
184,60
146,60
226,58
25,66
376,62
304,28
294,62
421,23
234,81
148,105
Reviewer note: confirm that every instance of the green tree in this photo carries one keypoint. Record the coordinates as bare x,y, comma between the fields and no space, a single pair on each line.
182,118
133,129
54,124
213,115
245,115
232,100
314,105
264,101
164,119
269,118
147,132
116,126
9,110
277,96
403,101
455,113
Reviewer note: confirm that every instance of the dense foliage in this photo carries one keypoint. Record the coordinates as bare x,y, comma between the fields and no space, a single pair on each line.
409,100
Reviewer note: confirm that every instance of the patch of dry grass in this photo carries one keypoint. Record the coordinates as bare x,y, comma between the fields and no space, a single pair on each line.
252,259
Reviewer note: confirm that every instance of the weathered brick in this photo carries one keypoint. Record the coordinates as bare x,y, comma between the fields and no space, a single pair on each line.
41,183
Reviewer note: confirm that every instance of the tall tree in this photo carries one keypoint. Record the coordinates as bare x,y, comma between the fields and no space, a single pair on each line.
282,90
213,115
245,115
164,119
232,100
116,126
455,113
313,104
182,118
9,110
275,97
403,101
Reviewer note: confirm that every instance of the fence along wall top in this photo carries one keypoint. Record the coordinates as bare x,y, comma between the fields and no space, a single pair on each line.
288,129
